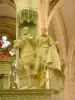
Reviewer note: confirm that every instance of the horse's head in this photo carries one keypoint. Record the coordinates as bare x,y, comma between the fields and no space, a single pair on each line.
18,43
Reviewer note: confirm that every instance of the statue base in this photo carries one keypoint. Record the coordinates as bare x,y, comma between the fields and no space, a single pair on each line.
33,94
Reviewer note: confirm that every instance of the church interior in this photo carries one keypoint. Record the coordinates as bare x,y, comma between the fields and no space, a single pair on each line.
58,16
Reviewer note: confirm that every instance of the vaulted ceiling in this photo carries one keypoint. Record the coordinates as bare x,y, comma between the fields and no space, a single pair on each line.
67,11
68,14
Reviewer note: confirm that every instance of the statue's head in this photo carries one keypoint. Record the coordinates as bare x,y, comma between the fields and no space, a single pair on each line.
44,31
26,30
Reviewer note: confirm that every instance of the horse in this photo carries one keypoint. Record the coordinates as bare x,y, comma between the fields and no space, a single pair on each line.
27,55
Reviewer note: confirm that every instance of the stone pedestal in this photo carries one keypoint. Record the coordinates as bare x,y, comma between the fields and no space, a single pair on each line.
26,94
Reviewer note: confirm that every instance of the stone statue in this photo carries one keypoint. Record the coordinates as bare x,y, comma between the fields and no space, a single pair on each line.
47,58
27,57
38,56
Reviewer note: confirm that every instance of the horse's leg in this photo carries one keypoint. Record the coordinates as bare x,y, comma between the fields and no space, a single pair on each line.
37,65
27,70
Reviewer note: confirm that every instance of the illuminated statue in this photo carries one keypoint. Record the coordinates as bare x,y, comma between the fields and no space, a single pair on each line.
47,58
26,43
38,56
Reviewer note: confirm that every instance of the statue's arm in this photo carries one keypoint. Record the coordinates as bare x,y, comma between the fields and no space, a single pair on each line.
37,39
50,41
30,37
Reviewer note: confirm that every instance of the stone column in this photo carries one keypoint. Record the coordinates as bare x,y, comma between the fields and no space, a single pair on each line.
27,11
44,23
44,11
